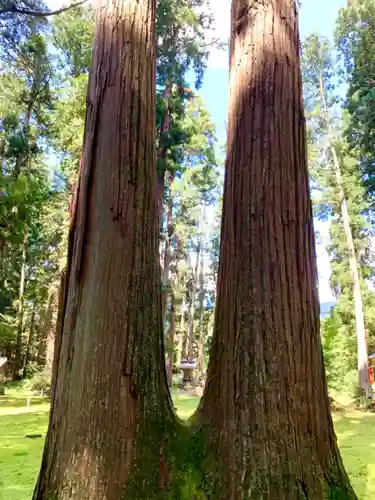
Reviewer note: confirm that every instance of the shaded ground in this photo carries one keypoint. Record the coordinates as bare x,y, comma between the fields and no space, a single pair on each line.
20,455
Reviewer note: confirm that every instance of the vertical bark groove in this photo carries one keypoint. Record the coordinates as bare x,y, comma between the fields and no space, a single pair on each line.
109,327
266,389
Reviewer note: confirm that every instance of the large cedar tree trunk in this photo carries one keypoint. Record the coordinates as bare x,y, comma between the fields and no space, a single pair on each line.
266,393
109,390
263,429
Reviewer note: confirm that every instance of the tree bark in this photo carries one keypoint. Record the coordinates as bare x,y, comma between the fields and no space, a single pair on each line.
266,394
263,429
108,357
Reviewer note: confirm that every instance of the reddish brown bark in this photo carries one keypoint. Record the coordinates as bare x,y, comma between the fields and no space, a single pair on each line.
108,382
264,429
266,394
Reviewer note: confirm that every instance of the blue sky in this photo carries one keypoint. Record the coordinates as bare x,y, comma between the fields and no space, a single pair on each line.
315,16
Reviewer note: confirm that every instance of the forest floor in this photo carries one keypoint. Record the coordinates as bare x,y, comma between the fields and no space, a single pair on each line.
22,431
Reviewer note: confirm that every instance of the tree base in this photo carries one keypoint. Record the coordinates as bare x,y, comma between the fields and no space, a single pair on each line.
190,464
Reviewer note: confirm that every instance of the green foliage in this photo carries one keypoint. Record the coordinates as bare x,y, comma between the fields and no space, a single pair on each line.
32,219
339,347
44,66
41,381
181,30
72,34
356,44
336,179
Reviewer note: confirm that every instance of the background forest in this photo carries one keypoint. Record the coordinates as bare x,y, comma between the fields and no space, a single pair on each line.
44,66
265,402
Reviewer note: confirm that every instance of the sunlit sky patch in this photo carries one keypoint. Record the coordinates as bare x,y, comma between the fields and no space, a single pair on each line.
315,16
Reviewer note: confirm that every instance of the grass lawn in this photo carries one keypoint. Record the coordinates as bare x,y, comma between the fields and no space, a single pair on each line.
20,455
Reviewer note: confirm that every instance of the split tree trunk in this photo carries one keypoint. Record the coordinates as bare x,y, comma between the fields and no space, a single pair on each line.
263,430
266,394
109,389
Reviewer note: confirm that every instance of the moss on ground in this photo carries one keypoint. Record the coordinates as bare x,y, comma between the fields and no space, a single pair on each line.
20,456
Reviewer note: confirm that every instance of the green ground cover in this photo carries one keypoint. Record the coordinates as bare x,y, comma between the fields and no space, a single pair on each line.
20,455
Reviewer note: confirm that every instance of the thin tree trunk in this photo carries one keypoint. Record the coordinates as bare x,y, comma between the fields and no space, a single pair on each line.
201,365
29,341
161,158
362,355
193,296
266,394
18,353
108,357
167,250
47,320
171,340
182,349
20,159
47,337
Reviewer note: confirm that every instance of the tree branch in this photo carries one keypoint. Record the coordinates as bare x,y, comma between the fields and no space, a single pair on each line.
13,9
